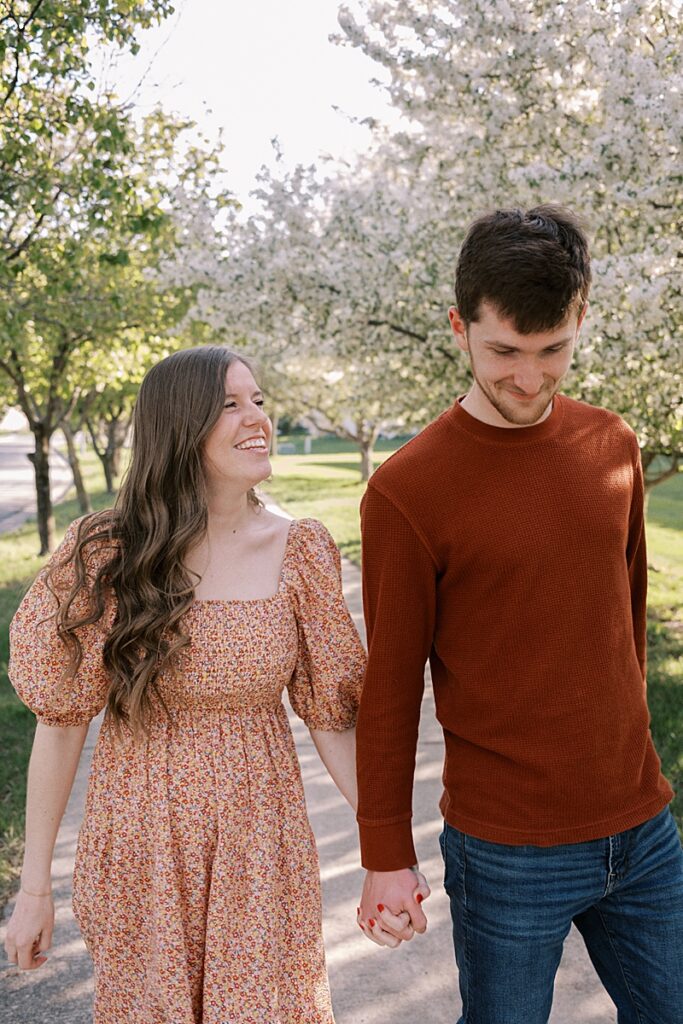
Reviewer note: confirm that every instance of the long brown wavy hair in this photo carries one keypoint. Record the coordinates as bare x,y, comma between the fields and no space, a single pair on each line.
159,514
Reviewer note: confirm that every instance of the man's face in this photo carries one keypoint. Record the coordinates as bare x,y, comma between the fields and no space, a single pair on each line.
515,375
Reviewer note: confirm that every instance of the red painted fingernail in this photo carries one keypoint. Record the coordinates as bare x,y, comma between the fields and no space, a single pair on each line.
371,922
419,898
360,925
358,910
380,907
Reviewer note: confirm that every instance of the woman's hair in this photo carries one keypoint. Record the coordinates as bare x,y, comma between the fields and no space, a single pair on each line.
533,268
159,514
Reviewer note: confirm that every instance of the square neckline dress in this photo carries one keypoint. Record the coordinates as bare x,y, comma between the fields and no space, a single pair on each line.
196,883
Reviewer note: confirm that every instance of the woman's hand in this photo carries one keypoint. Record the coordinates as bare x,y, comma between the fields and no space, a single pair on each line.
392,904
29,932
54,759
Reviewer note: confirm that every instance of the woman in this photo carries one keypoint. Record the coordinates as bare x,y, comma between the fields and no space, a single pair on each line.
185,610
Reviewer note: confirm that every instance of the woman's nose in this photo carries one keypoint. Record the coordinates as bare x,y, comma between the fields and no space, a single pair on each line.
255,414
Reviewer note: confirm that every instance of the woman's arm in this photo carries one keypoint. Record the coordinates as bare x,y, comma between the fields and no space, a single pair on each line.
52,768
337,752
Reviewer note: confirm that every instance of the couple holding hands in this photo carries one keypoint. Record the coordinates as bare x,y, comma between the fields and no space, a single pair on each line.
505,544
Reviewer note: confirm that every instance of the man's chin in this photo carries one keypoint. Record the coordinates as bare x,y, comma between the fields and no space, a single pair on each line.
523,414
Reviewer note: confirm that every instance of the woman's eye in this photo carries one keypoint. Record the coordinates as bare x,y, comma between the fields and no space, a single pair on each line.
230,405
260,402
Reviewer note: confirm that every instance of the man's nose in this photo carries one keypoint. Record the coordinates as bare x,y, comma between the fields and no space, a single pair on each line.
528,378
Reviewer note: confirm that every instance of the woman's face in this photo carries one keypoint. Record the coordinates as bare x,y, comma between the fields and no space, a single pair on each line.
236,450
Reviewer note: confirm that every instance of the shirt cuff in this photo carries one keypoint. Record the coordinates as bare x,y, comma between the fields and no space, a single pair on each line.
387,847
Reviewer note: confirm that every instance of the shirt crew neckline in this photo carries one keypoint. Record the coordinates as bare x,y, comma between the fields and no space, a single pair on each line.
509,435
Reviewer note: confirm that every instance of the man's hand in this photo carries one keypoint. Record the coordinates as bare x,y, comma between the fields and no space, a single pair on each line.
390,910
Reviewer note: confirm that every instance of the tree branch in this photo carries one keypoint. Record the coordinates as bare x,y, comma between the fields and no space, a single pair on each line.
21,30
398,329
14,371
673,469
27,240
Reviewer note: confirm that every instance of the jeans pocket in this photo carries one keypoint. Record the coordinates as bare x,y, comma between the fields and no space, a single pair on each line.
450,848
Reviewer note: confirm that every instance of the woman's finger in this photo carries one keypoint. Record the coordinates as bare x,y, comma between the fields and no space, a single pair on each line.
45,940
380,936
373,930
28,957
421,889
397,925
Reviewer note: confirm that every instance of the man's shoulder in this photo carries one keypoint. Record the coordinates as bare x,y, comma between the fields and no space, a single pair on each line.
584,416
418,462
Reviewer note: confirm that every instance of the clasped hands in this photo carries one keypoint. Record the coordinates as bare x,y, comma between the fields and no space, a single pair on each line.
390,911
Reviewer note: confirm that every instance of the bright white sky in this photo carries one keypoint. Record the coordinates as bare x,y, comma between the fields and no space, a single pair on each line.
259,69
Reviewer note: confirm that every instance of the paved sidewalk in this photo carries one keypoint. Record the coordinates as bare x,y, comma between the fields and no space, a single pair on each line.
370,985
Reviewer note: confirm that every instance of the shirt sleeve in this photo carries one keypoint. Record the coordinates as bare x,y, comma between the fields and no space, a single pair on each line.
325,687
636,556
38,656
399,596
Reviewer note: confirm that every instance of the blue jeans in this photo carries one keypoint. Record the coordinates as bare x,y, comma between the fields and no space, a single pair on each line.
512,907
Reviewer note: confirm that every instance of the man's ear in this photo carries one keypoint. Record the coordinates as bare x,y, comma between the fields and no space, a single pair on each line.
582,314
459,328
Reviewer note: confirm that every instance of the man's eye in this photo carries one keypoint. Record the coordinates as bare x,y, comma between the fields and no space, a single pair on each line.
506,352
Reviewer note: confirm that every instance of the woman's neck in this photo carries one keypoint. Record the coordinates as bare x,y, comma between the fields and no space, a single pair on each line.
228,513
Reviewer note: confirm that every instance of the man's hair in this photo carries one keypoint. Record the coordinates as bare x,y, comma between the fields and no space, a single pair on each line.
533,267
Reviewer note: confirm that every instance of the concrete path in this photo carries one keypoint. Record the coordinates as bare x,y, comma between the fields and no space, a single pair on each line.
370,985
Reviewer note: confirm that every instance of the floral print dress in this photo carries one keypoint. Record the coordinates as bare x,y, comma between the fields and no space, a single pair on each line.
196,883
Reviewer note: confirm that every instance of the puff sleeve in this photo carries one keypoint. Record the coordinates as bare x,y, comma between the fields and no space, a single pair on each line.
325,687
38,655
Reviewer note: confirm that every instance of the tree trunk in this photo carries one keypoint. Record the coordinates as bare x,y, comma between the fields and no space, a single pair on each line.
366,466
273,440
107,460
106,455
116,436
41,465
84,502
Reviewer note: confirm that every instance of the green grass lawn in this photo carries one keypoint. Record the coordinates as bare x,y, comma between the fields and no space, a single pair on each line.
665,629
326,485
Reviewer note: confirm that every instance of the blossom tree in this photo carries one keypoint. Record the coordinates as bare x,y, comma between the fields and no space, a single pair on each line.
320,287
514,104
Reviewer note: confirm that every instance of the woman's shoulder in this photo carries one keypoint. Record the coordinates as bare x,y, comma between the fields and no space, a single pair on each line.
312,548
311,534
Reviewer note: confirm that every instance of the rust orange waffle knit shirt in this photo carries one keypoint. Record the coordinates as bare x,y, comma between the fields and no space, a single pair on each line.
514,560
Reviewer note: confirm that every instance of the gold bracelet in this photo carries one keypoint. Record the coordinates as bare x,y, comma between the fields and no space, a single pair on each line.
29,893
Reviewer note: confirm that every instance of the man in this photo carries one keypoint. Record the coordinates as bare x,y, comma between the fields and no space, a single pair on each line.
506,544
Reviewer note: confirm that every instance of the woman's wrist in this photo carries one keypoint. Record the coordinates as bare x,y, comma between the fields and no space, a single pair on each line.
40,895
38,884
